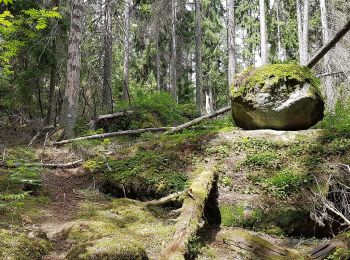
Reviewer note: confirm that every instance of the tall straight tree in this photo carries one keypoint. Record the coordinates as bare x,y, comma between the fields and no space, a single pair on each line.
107,99
198,57
303,30
263,33
330,91
70,104
231,31
173,68
126,93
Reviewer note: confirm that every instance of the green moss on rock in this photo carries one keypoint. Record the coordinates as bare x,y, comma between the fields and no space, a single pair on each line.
272,75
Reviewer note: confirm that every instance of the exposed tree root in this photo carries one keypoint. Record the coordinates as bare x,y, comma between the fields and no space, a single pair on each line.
43,165
191,215
167,199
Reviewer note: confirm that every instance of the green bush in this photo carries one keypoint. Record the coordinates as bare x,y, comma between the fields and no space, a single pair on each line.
338,121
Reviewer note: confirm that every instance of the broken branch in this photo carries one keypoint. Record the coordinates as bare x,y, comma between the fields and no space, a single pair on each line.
43,165
165,200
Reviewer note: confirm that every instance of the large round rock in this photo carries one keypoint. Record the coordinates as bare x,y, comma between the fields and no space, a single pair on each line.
278,96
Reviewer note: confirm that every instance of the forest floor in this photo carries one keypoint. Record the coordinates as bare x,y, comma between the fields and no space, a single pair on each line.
261,207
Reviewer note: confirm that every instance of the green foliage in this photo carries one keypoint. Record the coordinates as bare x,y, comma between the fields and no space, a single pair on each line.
284,182
237,216
263,159
340,254
339,121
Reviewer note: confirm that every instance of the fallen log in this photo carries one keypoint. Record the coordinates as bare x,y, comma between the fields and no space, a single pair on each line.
114,134
189,221
197,120
165,200
329,45
43,165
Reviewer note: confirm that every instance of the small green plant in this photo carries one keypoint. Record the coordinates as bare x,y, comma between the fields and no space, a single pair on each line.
284,183
232,216
264,160
227,181
340,254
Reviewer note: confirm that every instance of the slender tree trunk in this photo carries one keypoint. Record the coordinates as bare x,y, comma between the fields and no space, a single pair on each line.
107,98
231,47
71,96
158,64
330,91
198,58
305,38
280,50
173,72
51,111
126,92
263,34
300,30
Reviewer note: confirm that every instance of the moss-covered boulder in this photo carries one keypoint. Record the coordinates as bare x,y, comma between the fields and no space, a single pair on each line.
278,96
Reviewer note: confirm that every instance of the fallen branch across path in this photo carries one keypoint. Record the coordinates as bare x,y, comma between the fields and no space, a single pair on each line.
114,134
190,218
198,120
43,165
329,45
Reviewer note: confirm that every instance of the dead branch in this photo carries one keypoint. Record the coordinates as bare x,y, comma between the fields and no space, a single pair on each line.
329,45
43,165
190,218
165,200
198,120
114,134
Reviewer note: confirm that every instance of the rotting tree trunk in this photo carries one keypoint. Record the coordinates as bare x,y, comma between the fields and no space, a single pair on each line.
126,93
107,99
263,33
329,45
198,120
231,33
189,221
198,57
70,104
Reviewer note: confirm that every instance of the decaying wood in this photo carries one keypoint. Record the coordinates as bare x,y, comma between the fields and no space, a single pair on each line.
198,120
190,218
95,121
114,134
326,249
43,165
167,199
328,46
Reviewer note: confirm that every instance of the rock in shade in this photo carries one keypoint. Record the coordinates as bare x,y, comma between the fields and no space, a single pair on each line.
277,96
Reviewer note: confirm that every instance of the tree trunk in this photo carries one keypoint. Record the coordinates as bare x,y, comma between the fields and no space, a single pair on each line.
231,33
51,111
107,99
330,91
126,93
158,64
263,36
70,104
173,70
300,29
305,34
198,58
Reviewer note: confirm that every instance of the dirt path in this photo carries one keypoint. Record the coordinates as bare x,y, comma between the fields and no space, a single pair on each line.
64,189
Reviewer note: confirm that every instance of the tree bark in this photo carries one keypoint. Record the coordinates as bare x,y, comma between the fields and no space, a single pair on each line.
300,29
305,40
158,64
198,57
107,99
126,92
173,70
70,104
263,33
330,90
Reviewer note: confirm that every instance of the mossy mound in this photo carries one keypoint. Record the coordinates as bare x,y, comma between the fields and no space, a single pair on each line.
17,245
277,96
121,229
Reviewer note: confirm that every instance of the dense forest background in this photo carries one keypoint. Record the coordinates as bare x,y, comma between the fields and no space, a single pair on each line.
171,56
